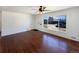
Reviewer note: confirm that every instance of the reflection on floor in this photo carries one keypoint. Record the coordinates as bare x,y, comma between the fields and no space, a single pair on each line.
37,42
55,43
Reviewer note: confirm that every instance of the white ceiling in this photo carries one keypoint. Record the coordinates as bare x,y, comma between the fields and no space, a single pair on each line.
32,9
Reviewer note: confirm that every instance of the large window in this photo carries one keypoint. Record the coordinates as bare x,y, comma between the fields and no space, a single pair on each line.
55,22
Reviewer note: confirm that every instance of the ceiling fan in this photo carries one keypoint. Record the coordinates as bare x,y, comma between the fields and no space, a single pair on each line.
41,10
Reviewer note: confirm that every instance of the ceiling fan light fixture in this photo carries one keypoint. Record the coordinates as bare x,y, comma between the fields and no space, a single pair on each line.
42,10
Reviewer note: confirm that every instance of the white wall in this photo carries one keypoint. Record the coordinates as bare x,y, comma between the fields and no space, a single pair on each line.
33,21
72,23
0,19
13,22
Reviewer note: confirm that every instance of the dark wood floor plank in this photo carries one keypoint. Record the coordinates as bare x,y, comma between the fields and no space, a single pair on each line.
37,42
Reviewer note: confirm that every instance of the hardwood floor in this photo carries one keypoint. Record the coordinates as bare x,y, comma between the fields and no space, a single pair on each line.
37,42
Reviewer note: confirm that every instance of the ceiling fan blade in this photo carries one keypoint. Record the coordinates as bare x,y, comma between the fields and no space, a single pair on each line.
34,9
44,8
47,10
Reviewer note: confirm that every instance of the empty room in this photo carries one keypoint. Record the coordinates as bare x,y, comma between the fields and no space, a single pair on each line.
39,29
